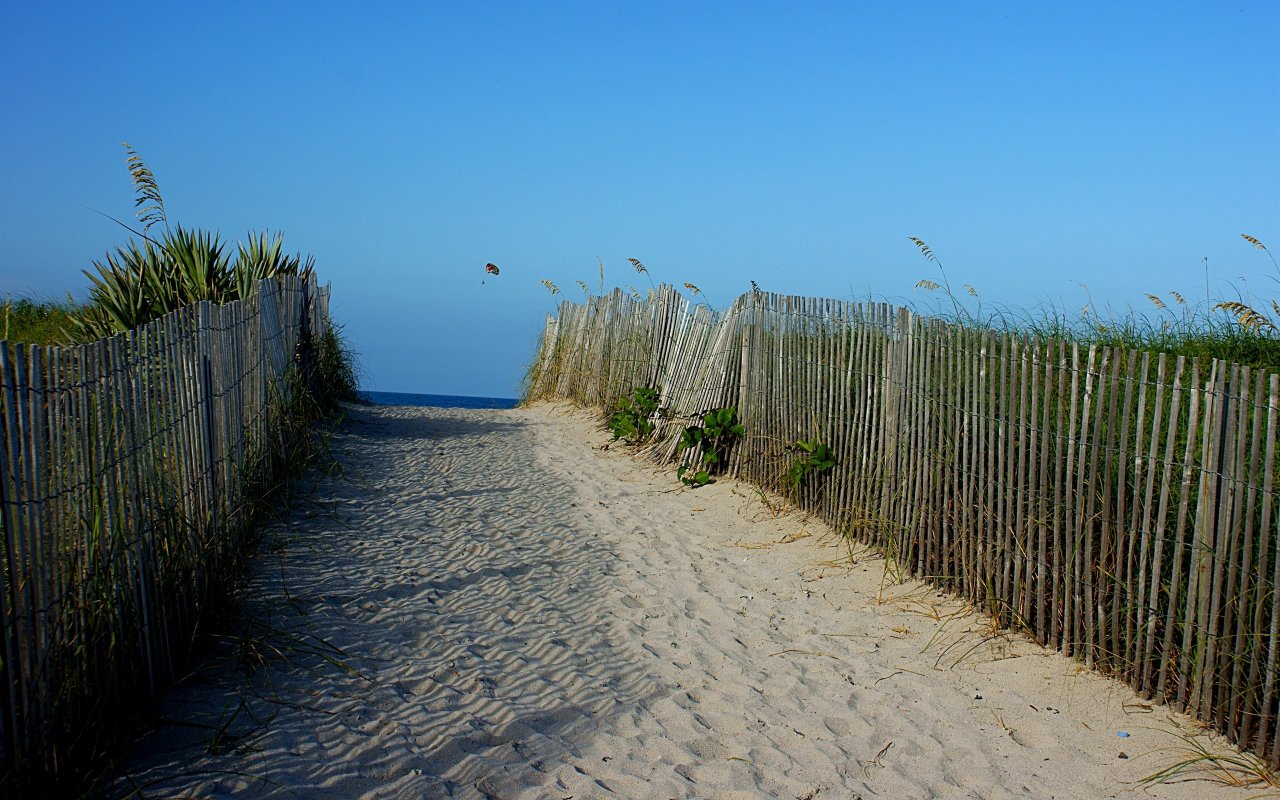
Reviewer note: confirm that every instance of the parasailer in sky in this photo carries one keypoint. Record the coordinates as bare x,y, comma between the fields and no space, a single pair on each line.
490,269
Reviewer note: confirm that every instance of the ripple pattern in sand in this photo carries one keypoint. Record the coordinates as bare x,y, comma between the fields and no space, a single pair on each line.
509,612
450,577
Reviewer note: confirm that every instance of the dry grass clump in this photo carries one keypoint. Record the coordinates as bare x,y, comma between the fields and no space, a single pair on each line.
1195,761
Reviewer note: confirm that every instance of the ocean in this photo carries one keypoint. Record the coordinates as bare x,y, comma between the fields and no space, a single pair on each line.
437,400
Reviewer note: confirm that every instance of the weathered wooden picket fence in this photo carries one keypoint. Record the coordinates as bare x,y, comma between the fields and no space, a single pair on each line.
1120,506
125,467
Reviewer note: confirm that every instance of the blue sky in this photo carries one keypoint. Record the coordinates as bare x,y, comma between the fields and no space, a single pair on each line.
1035,148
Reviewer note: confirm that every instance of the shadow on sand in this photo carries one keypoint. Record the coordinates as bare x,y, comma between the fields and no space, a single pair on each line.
410,650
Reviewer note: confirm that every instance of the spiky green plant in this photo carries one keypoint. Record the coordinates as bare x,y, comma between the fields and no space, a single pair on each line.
125,292
198,269
143,280
260,258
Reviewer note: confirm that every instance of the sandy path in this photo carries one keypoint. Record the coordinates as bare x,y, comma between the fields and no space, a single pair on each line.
521,616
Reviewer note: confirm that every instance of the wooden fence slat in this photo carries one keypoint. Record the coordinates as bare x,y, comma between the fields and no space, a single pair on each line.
1222,529
1151,607
1203,539
1092,442
17,699
1072,597
36,551
1272,599
1180,556
1042,435
843,476
922,511
1004,482
1021,493
1143,526
970,521
1107,561
1264,403
931,520
1136,544
1239,582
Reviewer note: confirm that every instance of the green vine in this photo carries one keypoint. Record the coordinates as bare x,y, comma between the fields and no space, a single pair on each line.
711,442
813,458
633,420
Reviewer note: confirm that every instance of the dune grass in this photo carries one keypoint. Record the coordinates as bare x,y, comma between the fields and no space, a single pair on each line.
32,320
1243,329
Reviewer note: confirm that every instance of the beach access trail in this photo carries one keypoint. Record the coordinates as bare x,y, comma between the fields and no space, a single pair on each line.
490,604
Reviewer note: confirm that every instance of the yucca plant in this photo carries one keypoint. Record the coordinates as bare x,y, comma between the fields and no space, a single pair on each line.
143,280
124,294
199,269
260,258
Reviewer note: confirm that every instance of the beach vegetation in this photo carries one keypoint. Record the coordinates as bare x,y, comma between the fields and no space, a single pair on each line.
1195,760
699,293
813,458
337,368
640,269
38,321
709,445
633,418
1243,329
168,266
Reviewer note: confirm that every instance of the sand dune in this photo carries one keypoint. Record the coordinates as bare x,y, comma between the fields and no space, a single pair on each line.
486,604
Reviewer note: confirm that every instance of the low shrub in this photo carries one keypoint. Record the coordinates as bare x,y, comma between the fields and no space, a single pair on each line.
711,442
633,419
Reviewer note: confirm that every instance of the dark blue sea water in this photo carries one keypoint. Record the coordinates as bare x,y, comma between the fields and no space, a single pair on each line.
437,400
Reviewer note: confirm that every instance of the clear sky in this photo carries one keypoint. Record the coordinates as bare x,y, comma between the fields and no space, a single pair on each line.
1035,147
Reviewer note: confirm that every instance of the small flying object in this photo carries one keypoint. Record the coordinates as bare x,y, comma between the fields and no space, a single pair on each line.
490,269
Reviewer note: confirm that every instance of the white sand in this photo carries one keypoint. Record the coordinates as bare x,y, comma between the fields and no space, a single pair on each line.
524,615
